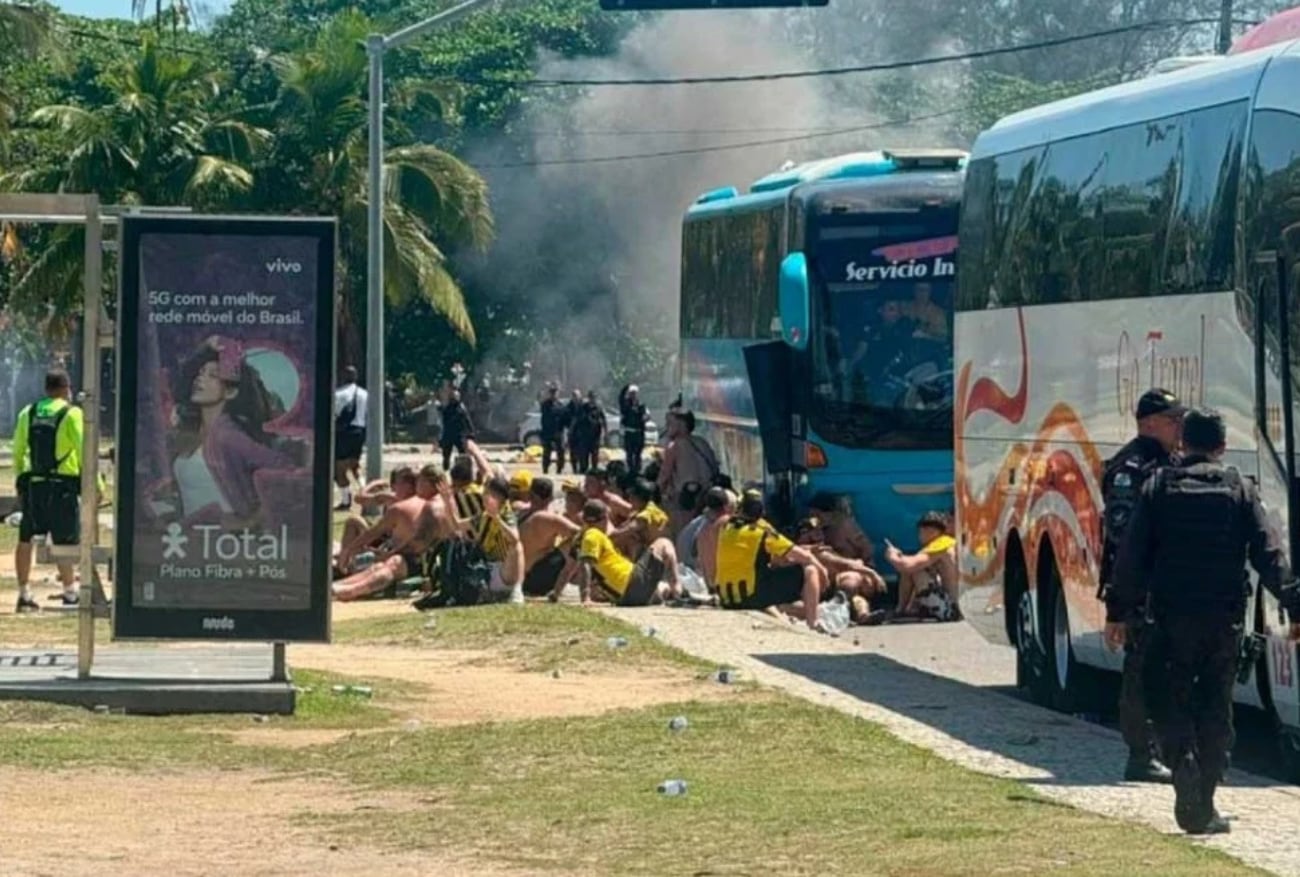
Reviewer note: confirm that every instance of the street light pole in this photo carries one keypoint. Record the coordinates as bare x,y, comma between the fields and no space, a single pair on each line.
375,266
376,46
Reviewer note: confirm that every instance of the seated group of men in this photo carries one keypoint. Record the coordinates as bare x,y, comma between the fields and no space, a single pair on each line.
750,565
601,540
613,543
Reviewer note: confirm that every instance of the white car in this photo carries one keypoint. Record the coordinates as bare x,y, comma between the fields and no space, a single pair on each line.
530,430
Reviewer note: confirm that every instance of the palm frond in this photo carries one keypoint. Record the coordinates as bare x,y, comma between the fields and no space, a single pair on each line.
53,281
216,175
446,194
416,267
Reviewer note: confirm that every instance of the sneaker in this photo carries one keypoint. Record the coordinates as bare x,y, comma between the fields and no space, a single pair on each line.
26,605
70,598
516,595
1190,807
427,603
1145,769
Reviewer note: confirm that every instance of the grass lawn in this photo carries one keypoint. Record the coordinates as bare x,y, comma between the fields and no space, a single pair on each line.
536,637
776,785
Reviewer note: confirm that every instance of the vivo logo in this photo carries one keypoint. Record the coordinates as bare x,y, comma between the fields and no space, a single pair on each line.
280,266
222,624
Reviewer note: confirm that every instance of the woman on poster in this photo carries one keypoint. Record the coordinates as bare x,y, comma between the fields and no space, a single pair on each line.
219,442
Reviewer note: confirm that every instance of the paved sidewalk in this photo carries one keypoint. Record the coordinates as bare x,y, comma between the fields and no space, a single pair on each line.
944,688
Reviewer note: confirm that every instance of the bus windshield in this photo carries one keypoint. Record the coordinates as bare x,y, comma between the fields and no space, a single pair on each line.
882,291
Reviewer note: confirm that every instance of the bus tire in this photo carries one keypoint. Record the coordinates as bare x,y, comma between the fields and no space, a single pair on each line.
1072,687
1033,671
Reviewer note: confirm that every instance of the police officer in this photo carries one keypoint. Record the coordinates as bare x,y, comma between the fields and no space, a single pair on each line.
1159,418
1184,557
552,430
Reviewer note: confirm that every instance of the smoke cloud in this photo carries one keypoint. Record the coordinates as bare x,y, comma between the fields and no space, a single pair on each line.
600,242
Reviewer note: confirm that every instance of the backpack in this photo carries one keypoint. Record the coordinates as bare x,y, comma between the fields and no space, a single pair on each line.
460,575
343,420
43,437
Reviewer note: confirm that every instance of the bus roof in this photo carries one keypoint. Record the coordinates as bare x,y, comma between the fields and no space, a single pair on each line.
942,187
1232,78
773,188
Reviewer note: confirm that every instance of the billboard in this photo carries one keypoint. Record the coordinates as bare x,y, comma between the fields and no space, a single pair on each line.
225,418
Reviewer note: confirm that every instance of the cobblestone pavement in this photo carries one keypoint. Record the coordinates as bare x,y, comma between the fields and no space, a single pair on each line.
944,688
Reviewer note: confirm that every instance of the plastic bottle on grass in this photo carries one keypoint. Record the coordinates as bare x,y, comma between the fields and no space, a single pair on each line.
678,724
616,642
672,788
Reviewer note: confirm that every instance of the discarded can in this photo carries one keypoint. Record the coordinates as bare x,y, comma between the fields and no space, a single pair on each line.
726,677
672,788
616,642
650,631
678,723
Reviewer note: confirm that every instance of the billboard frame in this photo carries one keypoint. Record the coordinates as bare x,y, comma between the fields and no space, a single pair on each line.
137,623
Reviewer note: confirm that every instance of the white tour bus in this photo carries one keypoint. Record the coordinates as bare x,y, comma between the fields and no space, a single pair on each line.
1144,235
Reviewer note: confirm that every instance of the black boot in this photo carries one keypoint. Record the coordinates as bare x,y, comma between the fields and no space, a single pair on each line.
1142,767
1193,811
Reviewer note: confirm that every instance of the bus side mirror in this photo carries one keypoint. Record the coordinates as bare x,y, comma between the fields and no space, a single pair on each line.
793,301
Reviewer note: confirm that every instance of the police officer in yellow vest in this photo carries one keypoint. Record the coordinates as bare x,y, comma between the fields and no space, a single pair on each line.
47,460
747,576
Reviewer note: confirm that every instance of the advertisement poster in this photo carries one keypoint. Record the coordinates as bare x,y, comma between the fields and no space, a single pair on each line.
224,428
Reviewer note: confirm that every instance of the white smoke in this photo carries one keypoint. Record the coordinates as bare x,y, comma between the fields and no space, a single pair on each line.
608,233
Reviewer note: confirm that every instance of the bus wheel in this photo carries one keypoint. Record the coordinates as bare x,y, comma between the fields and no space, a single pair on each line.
1032,669
1074,686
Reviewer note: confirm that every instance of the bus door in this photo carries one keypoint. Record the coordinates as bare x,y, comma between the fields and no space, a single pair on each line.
772,367
1277,317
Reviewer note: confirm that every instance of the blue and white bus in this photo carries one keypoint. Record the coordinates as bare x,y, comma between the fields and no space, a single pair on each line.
816,332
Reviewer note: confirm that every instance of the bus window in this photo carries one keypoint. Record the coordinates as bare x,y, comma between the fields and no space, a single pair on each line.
882,340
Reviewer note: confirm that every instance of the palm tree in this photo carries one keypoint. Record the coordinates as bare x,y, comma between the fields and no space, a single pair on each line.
156,141
25,30
433,200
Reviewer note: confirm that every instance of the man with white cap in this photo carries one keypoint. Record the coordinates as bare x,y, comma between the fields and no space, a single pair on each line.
634,417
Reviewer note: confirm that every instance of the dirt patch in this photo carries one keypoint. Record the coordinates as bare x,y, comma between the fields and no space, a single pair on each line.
104,824
464,687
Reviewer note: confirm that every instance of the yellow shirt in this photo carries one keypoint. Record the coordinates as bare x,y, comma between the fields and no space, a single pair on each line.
491,538
469,501
614,570
656,521
67,441
745,550
940,544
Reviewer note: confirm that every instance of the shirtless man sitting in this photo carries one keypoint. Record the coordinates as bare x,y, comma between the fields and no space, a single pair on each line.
409,528
574,500
545,535
859,582
596,486
400,486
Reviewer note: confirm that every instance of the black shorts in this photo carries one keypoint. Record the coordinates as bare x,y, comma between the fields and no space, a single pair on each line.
540,580
644,581
348,444
50,508
777,586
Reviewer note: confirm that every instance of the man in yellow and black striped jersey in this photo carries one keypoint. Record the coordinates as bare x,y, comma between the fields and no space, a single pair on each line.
758,568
